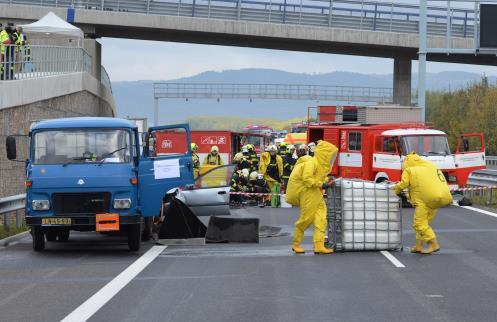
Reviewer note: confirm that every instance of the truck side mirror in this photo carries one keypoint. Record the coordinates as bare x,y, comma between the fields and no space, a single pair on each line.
10,145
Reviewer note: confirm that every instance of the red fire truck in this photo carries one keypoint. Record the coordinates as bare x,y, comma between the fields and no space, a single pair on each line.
375,152
228,142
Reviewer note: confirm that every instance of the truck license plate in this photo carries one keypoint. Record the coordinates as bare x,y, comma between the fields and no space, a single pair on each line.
56,221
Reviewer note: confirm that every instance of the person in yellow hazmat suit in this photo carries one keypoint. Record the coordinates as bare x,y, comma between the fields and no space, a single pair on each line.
196,160
308,178
428,191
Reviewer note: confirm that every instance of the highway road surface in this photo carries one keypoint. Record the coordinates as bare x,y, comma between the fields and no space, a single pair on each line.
95,277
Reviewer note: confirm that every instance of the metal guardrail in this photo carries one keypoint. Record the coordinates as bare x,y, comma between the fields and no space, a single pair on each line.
10,205
350,14
23,62
491,161
272,91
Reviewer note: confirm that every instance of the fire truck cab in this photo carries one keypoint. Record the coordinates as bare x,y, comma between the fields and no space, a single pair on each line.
375,152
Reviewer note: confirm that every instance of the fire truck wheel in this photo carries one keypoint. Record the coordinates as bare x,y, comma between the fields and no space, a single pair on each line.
38,238
134,237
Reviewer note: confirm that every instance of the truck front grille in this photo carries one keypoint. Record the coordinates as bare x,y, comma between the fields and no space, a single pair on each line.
81,203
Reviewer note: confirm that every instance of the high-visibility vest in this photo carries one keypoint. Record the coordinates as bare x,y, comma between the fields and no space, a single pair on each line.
3,37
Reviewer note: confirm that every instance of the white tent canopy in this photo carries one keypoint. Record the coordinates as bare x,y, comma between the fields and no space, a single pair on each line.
53,27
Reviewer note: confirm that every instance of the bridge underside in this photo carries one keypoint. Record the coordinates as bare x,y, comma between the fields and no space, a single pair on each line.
400,46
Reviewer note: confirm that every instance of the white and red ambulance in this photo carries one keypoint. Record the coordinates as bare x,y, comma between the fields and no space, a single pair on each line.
375,151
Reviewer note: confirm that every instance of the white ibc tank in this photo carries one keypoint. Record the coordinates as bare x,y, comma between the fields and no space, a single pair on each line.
368,216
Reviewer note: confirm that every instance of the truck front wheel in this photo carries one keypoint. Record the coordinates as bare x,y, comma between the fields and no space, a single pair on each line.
134,237
38,238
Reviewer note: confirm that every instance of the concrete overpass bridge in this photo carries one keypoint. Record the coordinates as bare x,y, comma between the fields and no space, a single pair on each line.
375,29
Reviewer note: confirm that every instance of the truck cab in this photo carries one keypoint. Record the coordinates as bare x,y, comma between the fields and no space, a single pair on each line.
375,152
92,174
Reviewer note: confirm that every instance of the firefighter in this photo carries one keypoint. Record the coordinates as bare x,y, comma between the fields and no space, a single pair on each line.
304,190
239,184
253,158
428,191
288,163
257,184
302,151
244,161
196,160
213,158
271,167
283,149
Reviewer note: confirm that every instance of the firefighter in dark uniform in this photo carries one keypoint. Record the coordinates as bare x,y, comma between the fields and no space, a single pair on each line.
257,184
288,163
253,158
239,183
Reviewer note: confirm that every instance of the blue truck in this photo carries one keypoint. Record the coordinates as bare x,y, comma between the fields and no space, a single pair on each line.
94,174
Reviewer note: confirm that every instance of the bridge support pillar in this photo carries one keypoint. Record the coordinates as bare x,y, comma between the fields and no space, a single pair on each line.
402,81
94,49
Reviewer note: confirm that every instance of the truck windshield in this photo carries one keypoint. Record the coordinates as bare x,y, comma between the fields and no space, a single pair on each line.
81,146
425,145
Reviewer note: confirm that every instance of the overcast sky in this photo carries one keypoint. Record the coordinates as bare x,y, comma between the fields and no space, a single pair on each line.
128,60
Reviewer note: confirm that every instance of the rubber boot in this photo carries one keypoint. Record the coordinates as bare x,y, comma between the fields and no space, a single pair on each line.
418,248
433,247
297,249
320,249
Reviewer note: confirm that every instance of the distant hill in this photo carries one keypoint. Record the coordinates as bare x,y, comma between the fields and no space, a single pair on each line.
135,98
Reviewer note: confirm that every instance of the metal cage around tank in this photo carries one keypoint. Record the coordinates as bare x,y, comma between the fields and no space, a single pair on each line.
363,216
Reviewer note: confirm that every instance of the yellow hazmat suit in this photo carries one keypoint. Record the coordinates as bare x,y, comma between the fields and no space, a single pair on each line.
263,165
304,190
428,191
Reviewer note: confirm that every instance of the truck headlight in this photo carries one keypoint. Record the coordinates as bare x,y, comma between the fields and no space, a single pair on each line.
452,179
122,203
40,204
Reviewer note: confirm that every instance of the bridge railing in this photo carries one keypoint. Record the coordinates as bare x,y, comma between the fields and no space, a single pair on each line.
105,79
272,91
22,62
351,14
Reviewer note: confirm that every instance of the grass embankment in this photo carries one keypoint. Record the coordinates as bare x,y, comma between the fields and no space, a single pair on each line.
4,233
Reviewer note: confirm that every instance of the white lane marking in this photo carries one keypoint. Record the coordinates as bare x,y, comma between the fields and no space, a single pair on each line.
493,214
392,259
106,293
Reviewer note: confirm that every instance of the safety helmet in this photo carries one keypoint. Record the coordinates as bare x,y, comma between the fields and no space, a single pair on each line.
303,147
193,146
290,147
244,173
312,146
253,175
283,145
250,147
214,148
238,157
272,148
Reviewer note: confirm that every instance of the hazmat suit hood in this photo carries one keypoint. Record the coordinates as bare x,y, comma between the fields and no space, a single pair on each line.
324,154
413,160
